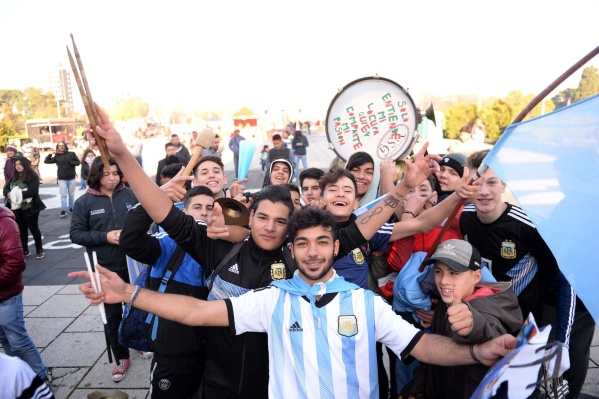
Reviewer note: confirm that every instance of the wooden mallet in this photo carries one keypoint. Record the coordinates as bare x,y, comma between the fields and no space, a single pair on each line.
204,140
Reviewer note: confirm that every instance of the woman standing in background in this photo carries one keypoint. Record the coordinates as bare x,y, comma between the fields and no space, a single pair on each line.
86,162
27,212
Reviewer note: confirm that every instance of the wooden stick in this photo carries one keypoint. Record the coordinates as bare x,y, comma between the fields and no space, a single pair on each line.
88,102
88,110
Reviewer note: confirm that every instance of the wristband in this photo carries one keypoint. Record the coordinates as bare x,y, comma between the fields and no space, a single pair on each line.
410,212
136,292
473,355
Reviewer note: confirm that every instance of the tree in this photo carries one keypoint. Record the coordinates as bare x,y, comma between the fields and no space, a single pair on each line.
11,120
131,108
517,100
588,85
496,118
5,132
457,116
561,99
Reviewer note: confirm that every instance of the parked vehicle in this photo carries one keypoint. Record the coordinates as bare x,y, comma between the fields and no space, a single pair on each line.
50,131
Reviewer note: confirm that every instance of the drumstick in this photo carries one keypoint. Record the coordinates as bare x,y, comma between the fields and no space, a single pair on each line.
88,102
94,278
204,140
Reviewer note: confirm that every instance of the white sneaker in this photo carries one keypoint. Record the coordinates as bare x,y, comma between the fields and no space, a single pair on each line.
146,355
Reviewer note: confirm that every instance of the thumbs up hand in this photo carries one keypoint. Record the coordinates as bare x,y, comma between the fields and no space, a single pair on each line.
459,314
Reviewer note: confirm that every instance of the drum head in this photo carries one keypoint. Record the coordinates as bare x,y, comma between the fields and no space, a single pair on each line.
374,115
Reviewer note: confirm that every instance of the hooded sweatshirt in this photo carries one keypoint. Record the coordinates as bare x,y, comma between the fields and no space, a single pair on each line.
495,312
267,177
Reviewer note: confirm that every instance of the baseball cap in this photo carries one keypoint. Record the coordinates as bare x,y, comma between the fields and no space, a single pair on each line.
458,255
11,147
455,161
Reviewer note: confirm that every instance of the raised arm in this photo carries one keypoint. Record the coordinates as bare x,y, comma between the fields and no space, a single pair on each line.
422,167
50,159
433,217
388,176
154,200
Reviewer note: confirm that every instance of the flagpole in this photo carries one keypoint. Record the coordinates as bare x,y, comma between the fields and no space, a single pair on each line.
535,101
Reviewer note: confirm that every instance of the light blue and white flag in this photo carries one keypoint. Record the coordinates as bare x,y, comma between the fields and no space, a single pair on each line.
551,165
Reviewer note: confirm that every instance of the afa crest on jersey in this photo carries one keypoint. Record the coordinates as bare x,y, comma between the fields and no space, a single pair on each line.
358,256
508,250
348,325
277,271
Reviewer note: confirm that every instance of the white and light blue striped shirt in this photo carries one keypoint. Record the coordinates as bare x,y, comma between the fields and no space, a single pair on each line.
335,360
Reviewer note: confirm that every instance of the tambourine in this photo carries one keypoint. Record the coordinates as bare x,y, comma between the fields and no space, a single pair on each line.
375,115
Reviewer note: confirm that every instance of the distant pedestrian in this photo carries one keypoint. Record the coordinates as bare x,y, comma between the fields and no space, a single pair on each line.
215,149
299,145
34,157
478,132
182,151
66,162
86,162
27,211
465,144
170,151
9,164
234,147
264,159
13,335
135,146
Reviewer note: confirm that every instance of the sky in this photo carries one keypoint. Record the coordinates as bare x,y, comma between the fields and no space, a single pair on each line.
222,55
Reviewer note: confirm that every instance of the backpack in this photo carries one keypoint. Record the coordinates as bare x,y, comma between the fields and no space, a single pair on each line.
136,323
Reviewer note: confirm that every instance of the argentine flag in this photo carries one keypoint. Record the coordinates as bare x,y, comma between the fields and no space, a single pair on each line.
551,165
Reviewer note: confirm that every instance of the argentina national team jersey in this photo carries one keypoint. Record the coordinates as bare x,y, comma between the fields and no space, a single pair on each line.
327,351
354,266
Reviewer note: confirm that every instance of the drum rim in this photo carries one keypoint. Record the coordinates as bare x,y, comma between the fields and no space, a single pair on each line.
379,78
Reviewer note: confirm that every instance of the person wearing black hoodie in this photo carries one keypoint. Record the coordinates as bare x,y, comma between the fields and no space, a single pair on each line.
66,162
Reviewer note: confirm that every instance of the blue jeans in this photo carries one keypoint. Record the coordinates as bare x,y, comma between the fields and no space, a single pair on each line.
65,185
14,338
298,158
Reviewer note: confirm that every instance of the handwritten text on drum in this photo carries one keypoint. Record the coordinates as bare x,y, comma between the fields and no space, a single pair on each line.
366,123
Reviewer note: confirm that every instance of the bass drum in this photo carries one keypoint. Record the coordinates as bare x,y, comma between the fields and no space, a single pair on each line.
374,115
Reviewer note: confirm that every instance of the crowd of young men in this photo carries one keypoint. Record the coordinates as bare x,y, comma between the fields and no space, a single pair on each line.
321,321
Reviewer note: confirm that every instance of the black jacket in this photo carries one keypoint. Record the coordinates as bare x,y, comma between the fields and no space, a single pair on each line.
65,162
94,215
165,162
237,364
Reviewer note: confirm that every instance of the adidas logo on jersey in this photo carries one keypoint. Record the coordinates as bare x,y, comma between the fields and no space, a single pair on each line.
234,269
295,327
